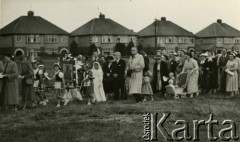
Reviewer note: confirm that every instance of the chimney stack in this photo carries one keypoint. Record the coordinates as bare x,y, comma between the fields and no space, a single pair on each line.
30,13
163,19
219,21
102,16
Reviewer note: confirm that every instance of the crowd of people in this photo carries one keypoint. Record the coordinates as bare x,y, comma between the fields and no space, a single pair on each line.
100,78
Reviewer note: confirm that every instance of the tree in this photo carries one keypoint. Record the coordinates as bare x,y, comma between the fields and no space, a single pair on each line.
91,49
74,48
121,47
129,46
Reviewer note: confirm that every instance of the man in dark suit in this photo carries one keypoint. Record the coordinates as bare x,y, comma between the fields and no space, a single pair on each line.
118,70
222,61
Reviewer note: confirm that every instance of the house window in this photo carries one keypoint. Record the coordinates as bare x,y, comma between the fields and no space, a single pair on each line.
107,39
183,40
237,40
228,40
33,39
93,39
51,39
170,40
64,39
18,39
192,40
122,39
159,40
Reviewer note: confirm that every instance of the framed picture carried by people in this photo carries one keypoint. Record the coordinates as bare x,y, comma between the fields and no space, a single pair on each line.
68,69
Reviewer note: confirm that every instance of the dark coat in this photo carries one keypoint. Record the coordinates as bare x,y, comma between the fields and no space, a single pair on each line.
27,90
164,72
10,82
119,68
173,65
212,73
107,80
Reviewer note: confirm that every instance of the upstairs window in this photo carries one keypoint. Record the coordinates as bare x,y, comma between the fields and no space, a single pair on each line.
93,39
18,39
182,40
122,39
64,39
170,40
107,39
159,40
192,40
51,39
228,40
237,40
33,39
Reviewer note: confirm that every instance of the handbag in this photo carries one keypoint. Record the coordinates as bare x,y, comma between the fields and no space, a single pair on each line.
29,81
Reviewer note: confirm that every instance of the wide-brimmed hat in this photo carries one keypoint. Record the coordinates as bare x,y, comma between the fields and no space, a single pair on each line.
204,54
109,58
57,64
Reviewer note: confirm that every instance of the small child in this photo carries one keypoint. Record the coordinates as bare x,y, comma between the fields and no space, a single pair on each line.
40,77
146,86
59,85
177,90
87,83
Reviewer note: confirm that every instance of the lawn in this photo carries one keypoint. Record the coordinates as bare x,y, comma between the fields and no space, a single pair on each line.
112,121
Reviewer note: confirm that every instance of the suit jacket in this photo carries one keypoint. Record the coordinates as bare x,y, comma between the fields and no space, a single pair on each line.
106,70
119,68
223,60
164,72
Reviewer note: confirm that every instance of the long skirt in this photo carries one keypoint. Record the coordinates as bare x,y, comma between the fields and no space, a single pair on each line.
28,92
232,82
192,83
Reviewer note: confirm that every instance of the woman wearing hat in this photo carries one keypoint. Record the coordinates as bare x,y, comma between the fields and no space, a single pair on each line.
232,76
160,74
212,73
203,73
10,82
108,76
191,67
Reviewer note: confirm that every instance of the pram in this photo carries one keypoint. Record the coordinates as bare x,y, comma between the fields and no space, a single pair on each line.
180,90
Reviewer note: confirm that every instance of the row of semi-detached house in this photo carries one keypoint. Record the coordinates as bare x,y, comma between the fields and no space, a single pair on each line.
31,35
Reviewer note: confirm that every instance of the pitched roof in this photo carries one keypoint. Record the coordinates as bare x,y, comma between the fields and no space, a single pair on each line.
102,26
218,29
164,28
31,25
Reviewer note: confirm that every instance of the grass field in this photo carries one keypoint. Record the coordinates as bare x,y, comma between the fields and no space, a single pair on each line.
111,121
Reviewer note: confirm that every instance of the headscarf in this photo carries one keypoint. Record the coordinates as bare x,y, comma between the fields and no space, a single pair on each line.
99,69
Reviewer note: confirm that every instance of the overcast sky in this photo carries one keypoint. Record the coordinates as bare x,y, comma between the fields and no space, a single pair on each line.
192,15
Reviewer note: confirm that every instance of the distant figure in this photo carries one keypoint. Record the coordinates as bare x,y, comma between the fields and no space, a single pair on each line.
222,61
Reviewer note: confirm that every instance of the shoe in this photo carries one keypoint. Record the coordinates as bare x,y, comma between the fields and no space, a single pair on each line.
46,100
89,103
65,102
58,105
191,96
145,100
41,102
93,100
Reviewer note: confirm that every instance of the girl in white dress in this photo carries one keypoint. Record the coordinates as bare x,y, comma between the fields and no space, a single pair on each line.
99,93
